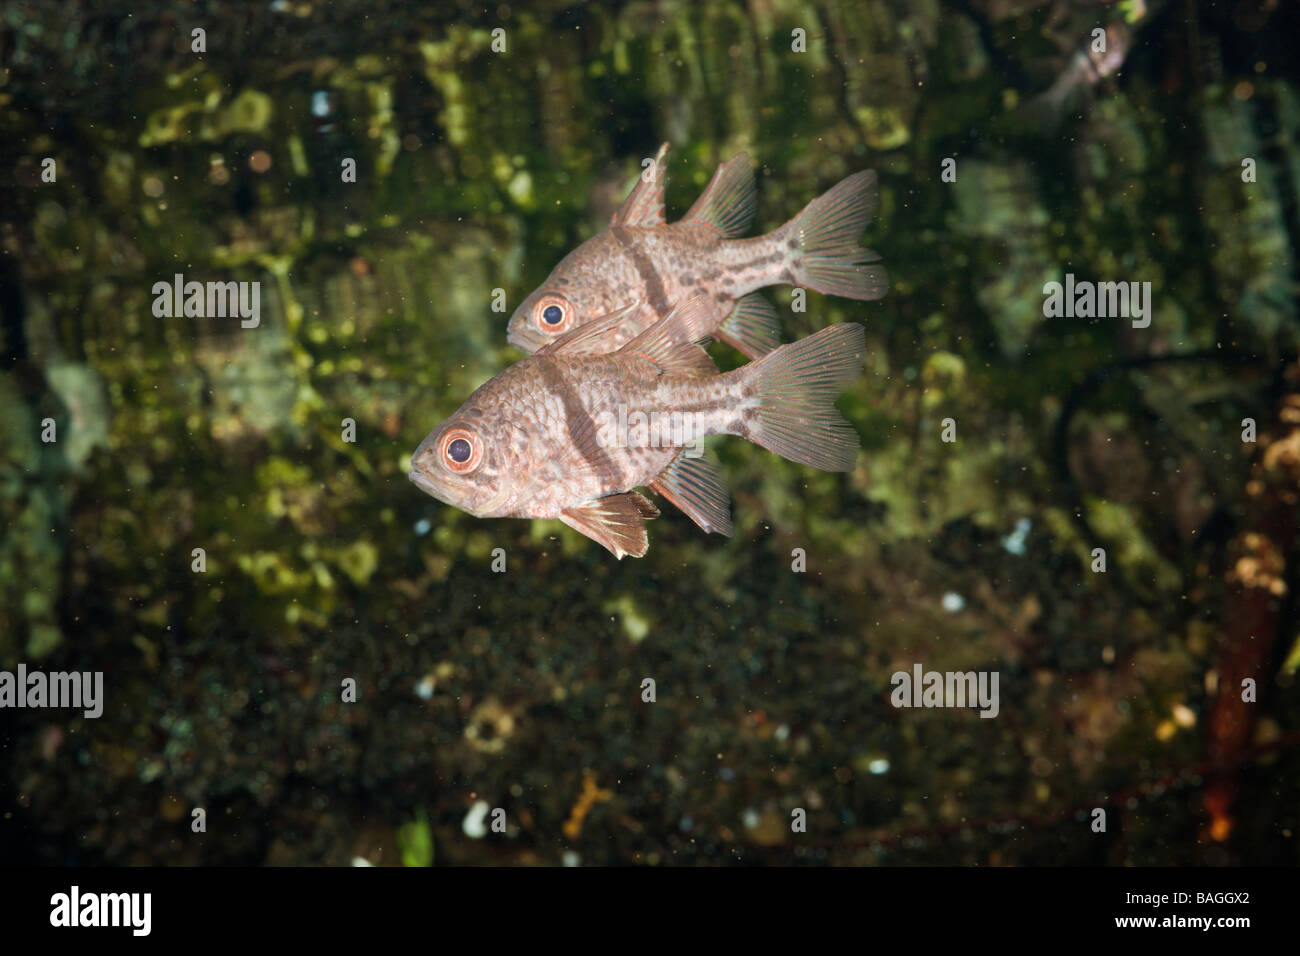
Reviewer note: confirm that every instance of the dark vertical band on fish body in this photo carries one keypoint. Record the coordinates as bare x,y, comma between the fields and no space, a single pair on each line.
578,422
654,286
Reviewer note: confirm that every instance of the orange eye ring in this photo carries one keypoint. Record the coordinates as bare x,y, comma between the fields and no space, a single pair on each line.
450,457
546,310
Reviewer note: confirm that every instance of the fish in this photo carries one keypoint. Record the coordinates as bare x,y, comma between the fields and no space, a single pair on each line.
548,436
643,258
1086,69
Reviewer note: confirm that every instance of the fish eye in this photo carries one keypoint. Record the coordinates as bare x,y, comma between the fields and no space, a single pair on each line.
553,314
461,450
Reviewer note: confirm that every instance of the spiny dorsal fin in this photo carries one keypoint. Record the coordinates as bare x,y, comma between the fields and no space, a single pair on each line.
644,205
728,201
696,486
671,344
592,338
616,521
752,327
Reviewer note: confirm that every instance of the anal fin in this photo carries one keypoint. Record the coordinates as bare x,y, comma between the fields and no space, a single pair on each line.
697,488
752,327
617,522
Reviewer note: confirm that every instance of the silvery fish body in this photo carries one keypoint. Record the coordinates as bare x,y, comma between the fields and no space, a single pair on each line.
554,418
569,432
641,258
1086,69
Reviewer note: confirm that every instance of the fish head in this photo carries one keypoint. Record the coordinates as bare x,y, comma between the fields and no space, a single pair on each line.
1111,58
577,291
541,319
1118,37
471,462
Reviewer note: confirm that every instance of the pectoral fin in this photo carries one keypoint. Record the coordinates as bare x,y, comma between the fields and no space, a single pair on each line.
671,343
696,486
617,522
592,338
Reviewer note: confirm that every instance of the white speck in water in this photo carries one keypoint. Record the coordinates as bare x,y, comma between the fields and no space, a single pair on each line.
570,858
750,818
1015,541
424,689
782,733
953,602
474,825
361,861
423,526
878,766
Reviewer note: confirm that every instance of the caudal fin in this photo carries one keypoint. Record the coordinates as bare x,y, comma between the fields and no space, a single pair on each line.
828,258
1047,110
797,385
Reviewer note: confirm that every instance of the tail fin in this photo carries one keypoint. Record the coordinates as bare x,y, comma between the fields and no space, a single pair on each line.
797,385
1047,110
829,259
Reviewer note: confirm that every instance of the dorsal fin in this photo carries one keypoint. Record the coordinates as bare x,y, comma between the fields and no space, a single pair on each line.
644,205
728,201
616,521
592,338
672,343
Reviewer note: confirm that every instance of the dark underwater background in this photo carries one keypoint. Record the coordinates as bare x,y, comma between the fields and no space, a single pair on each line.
478,170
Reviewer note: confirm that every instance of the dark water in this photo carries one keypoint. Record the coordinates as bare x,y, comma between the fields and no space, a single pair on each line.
476,170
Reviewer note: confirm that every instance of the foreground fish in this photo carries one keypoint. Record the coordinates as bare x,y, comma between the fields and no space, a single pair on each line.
642,258
549,437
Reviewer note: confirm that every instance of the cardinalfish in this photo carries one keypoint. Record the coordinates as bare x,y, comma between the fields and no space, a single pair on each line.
1086,69
642,258
542,439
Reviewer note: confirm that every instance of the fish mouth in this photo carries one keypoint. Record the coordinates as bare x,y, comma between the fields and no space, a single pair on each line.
426,484
432,488
521,341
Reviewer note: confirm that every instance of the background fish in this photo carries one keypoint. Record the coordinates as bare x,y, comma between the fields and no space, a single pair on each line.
535,441
1085,70
643,258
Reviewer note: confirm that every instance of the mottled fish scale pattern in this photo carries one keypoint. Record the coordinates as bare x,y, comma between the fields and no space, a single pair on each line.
620,392
644,262
558,402
569,433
